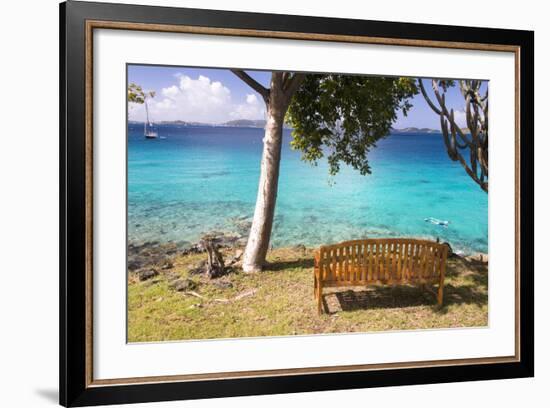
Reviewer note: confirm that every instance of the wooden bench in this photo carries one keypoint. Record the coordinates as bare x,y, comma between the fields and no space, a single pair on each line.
391,261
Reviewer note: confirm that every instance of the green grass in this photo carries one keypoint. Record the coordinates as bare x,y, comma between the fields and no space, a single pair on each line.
280,302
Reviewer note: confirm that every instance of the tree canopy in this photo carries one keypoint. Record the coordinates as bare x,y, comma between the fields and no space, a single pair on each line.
136,94
343,116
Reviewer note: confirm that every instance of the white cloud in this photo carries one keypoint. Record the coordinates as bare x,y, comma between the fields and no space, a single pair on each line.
199,100
251,99
165,104
171,91
253,108
460,118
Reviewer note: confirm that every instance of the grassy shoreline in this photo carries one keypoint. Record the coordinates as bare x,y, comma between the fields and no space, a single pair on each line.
177,305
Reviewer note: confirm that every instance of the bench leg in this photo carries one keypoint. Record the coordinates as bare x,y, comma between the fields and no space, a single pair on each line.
319,298
314,287
440,294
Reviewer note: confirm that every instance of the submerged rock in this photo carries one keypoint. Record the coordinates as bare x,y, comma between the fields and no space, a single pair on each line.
193,249
151,254
135,264
299,247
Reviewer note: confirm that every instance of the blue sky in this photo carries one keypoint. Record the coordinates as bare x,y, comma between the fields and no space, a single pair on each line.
217,96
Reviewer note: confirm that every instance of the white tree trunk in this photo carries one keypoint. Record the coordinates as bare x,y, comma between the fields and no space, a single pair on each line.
260,232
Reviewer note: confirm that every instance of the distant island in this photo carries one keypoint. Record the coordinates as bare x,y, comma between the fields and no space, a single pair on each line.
414,130
185,123
260,123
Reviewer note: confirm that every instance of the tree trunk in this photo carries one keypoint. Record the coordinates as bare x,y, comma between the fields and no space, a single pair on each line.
260,231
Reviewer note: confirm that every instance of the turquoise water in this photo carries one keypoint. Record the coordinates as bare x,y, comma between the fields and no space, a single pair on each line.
200,179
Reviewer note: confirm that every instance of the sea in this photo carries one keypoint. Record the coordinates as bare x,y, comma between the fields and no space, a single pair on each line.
194,180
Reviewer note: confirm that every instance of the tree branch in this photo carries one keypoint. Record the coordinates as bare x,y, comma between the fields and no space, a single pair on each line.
292,84
427,98
264,92
441,100
286,76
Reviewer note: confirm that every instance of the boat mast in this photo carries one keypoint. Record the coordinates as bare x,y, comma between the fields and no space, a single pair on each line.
147,115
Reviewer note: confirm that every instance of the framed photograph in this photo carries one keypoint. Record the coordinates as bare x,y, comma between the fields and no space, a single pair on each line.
256,204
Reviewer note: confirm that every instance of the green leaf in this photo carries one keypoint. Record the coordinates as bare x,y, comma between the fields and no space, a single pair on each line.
343,116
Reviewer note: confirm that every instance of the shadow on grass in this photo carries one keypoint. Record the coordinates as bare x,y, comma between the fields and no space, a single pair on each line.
304,263
468,285
456,266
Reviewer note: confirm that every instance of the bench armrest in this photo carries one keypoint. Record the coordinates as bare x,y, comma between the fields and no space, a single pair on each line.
316,257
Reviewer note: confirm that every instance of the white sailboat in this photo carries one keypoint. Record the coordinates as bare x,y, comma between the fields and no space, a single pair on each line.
148,128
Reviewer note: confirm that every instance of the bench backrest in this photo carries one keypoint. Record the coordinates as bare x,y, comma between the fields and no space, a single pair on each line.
382,260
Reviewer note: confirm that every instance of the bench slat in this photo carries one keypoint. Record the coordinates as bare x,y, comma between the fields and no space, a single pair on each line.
378,260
